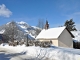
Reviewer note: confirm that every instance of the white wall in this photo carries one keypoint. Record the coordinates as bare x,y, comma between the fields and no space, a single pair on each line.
55,42
65,39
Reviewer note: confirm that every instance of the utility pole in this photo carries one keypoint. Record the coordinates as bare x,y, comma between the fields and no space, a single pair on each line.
27,40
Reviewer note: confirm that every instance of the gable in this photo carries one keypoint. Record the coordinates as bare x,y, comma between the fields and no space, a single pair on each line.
65,39
65,34
70,33
67,31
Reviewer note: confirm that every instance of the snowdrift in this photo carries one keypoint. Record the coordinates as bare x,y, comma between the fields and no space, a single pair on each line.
38,53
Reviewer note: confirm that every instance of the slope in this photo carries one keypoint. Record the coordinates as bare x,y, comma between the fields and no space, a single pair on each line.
22,30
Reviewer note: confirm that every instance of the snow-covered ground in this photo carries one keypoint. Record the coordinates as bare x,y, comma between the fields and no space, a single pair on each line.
38,53
77,35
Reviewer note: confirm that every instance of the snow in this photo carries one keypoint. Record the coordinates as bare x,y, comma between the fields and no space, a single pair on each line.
4,44
51,33
23,27
32,36
2,31
22,22
27,28
77,35
36,27
38,53
8,23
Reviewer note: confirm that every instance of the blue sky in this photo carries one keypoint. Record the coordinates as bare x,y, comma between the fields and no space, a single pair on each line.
30,11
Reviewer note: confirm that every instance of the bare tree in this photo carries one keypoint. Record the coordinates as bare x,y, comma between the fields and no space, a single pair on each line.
11,30
40,23
37,31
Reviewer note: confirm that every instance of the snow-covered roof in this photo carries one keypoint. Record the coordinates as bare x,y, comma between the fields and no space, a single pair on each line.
51,33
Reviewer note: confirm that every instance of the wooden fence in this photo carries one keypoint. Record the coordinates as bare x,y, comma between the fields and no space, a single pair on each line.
76,45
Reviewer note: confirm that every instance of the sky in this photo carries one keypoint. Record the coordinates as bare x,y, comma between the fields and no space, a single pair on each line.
30,11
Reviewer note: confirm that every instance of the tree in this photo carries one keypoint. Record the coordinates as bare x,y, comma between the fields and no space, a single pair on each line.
37,31
11,31
5,38
70,24
40,23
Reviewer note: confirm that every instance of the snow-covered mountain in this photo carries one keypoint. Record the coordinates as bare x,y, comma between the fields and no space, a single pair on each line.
31,30
23,27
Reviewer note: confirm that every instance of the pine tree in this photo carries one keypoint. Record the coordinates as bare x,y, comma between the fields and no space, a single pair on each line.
70,24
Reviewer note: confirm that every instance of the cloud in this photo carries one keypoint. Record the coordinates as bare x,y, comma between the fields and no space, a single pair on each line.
68,6
5,12
75,16
76,13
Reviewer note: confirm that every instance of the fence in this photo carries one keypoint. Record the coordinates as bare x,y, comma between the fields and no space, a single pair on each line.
76,45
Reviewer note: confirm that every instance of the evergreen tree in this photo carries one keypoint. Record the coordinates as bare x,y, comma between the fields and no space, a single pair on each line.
70,24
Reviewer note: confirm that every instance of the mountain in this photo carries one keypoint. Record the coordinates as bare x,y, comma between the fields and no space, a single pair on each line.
31,30
21,29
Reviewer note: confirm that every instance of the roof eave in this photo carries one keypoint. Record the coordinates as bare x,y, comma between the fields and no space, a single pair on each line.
70,33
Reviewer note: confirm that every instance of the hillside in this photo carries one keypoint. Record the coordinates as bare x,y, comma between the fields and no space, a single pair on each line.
21,30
